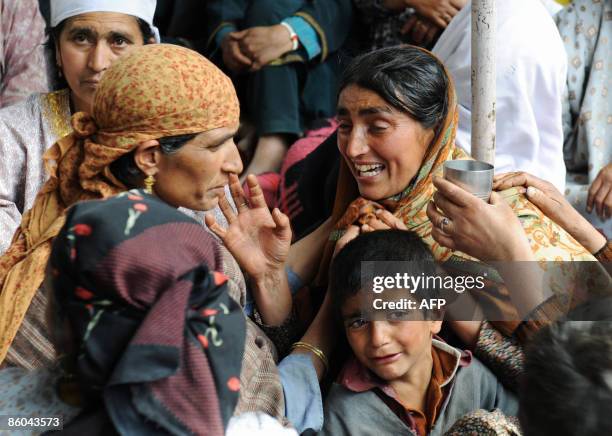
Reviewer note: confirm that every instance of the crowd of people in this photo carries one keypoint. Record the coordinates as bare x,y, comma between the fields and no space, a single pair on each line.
191,194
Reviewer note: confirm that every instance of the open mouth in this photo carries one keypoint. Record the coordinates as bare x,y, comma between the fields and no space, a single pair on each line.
369,170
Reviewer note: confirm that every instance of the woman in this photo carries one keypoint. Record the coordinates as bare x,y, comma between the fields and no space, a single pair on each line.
164,117
397,128
176,308
85,38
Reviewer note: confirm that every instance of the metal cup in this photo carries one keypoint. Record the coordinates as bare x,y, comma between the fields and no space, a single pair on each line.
472,175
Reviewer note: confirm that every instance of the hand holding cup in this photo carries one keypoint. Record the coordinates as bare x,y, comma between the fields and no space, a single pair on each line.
489,232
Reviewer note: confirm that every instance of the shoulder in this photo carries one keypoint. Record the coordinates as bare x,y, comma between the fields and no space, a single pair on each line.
477,377
24,108
352,413
479,388
36,122
20,124
346,405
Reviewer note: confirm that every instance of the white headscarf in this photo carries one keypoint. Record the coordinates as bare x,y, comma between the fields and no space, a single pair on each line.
144,9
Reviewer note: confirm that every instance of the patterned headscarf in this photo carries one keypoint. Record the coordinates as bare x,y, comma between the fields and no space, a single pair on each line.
548,240
156,91
155,334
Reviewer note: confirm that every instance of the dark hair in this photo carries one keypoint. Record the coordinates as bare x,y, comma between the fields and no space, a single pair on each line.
53,35
567,386
125,169
410,79
377,246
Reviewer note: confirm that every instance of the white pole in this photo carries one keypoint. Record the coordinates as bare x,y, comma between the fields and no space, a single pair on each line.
483,80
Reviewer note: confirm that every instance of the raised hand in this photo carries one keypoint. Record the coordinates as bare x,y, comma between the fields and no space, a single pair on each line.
259,241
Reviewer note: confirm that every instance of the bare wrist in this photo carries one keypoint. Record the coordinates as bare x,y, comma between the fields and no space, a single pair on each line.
592,241
520,250
583,232
288,41
270,281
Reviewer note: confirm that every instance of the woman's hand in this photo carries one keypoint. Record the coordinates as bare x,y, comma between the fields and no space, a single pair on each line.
384,220
600,193
263,44
259,241
554,205
489,232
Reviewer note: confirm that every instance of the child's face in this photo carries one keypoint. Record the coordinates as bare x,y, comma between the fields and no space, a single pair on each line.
390,349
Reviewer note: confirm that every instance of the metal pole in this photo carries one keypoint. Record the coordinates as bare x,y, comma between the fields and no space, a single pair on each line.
483,80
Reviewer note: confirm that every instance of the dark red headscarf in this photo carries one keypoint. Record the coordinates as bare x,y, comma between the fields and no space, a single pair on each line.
157,343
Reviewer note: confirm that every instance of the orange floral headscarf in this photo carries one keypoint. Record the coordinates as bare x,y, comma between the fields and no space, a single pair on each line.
156,91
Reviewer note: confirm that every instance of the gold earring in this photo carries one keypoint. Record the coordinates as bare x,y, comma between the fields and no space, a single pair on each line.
149,182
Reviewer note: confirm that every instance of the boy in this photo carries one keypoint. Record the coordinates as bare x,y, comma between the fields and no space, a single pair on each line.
400,380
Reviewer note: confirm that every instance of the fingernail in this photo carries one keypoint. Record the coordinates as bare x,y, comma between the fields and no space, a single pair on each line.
531,191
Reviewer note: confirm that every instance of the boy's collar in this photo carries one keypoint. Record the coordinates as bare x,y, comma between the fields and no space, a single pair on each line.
357,378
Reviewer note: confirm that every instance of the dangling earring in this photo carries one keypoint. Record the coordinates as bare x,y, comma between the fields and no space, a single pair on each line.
149,182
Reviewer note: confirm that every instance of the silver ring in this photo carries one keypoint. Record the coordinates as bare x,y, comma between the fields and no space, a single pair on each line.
244,204
445,221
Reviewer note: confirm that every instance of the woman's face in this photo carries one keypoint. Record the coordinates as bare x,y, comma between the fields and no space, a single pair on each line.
194,177
88,44
383,147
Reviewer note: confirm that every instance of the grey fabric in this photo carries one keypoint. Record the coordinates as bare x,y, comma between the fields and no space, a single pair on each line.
474,387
